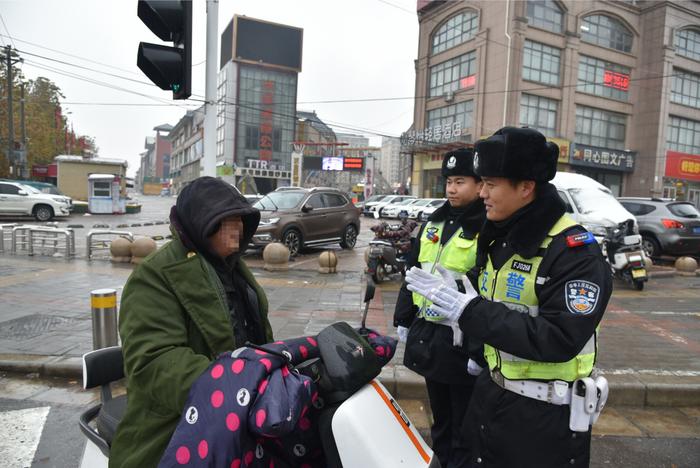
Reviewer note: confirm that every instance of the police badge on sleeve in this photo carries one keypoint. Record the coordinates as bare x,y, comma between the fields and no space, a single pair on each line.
581,296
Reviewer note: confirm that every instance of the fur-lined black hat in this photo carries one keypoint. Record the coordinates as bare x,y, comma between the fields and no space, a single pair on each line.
516,153
459,162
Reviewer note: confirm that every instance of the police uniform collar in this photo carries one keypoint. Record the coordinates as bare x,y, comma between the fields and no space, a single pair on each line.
471,218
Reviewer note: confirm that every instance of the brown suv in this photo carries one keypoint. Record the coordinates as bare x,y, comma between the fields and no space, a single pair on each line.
300,217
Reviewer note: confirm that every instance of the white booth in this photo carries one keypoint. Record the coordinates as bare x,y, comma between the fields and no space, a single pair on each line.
104,194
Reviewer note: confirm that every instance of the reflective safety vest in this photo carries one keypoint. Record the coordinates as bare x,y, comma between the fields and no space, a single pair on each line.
514,285
457,255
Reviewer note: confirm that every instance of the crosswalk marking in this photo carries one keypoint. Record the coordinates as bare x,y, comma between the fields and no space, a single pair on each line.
20,432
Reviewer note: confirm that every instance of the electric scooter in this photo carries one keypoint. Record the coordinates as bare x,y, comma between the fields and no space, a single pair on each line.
357,407
623,250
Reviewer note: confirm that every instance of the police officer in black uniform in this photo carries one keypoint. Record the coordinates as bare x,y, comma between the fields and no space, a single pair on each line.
446,244
542,289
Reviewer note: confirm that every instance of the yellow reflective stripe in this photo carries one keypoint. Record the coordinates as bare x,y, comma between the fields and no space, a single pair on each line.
103,302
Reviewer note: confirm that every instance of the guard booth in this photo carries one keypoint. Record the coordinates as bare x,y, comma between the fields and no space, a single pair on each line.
104,194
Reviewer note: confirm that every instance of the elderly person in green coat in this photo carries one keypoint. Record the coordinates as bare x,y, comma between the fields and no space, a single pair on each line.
185,304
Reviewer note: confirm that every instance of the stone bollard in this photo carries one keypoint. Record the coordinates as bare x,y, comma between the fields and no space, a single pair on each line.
276,257
686,265
120,248
327,262
141,247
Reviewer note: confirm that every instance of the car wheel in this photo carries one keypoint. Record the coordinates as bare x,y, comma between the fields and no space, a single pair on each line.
292,239
349,237
43,212
651,246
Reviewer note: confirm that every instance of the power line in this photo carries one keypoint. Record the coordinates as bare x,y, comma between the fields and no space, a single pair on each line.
8,31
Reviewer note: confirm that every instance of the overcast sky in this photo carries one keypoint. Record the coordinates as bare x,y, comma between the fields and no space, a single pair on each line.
353,49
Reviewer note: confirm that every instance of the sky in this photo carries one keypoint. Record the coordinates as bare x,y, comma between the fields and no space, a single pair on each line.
353,49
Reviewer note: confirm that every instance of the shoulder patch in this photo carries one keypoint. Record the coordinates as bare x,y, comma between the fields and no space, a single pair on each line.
521,266
581,296
432,234
577,240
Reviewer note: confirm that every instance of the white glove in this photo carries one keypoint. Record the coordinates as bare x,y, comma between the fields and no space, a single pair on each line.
473,368
402,332
457,335
428,280
447,302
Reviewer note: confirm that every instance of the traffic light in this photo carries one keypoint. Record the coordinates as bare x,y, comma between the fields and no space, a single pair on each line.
168,67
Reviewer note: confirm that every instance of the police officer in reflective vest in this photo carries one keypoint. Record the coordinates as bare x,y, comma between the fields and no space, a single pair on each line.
542,289
446,247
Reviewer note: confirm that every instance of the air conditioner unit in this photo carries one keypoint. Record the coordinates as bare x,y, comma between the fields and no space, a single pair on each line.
449,96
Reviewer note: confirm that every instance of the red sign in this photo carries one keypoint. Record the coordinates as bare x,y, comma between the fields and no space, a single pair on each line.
683,166
616,80
467,82
265,140
353,164
46,170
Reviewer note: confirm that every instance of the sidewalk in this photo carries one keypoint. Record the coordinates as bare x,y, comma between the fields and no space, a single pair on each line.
649,345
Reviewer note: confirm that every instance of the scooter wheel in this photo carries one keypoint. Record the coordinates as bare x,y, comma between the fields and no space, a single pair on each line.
379,274
638,285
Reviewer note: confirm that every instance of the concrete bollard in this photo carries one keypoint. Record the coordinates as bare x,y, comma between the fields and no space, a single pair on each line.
327,262
141,248
276,257
120,248
686,265
105,332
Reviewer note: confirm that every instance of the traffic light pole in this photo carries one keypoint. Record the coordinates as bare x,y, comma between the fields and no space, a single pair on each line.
209,158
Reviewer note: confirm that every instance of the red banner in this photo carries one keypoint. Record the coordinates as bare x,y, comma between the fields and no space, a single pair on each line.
683,166
265,143
616,80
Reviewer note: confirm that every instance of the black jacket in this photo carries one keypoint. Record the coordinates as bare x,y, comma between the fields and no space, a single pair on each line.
429,349
508,429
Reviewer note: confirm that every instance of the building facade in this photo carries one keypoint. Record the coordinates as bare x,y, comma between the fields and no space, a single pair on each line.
390,161
187,142
615,84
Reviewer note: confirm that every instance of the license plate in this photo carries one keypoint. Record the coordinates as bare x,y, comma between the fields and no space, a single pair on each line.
639,273
696,230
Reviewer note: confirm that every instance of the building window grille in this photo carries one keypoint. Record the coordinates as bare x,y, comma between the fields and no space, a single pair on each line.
686,88
687,43
603,78
452,75
606,31
601,128
539,113
545,14
541,63
455,31
462,112
683,135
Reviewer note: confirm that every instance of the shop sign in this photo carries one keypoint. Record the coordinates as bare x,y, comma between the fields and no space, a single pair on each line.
616,80
436,134
564,148
602,158
267,98
682,166
296,169
263,164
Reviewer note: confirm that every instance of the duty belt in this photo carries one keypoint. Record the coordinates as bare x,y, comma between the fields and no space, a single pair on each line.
556,392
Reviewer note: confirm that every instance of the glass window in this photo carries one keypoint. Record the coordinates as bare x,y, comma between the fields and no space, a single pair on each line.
687,43
279,200
601,128
7,189
334,200
686,88
541,63
684,210
603,78
315,201
102,189
606,31
683,135
456,30
545,14
454,74
462,112
539,113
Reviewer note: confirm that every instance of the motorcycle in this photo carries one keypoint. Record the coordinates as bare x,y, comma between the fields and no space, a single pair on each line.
356,408
388,250
623,250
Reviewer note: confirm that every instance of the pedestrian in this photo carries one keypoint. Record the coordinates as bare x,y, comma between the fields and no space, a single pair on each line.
543,287
445,245
184,305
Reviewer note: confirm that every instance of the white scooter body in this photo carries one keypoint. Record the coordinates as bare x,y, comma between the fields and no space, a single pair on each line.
372,431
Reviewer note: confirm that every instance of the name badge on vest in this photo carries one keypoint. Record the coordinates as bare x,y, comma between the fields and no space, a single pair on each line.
521,266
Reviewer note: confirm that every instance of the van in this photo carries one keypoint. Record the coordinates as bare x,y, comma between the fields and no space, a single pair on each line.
591,203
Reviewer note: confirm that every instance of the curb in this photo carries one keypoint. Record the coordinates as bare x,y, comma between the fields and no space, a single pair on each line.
628,389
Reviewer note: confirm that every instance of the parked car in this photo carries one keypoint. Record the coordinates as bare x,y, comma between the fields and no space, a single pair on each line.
43,187
22,200
425,205
667,226
370,202
307,217
393,210
385,202
253,198
591,203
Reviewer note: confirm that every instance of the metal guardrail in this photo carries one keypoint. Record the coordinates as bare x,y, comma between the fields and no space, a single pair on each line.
20,236
5,229
51,236
95,239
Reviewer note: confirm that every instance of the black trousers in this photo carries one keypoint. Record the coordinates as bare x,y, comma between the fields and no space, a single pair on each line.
449,404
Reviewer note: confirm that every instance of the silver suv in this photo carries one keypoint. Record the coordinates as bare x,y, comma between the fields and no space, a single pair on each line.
667,226
21,200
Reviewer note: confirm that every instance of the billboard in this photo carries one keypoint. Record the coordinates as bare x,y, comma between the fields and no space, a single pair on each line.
682,166
261,42
332,163
313,162
353,164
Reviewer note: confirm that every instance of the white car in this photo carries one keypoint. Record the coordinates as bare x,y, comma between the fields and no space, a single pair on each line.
392,211
385,202
430,209
22,200
429,204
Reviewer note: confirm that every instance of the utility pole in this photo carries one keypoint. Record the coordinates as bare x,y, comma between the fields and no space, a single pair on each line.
23,166
209,158
10,122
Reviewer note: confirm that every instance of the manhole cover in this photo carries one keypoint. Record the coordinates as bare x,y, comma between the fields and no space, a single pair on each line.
32,326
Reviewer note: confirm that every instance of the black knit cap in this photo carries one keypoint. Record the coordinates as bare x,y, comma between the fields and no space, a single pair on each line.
516,153
459,162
